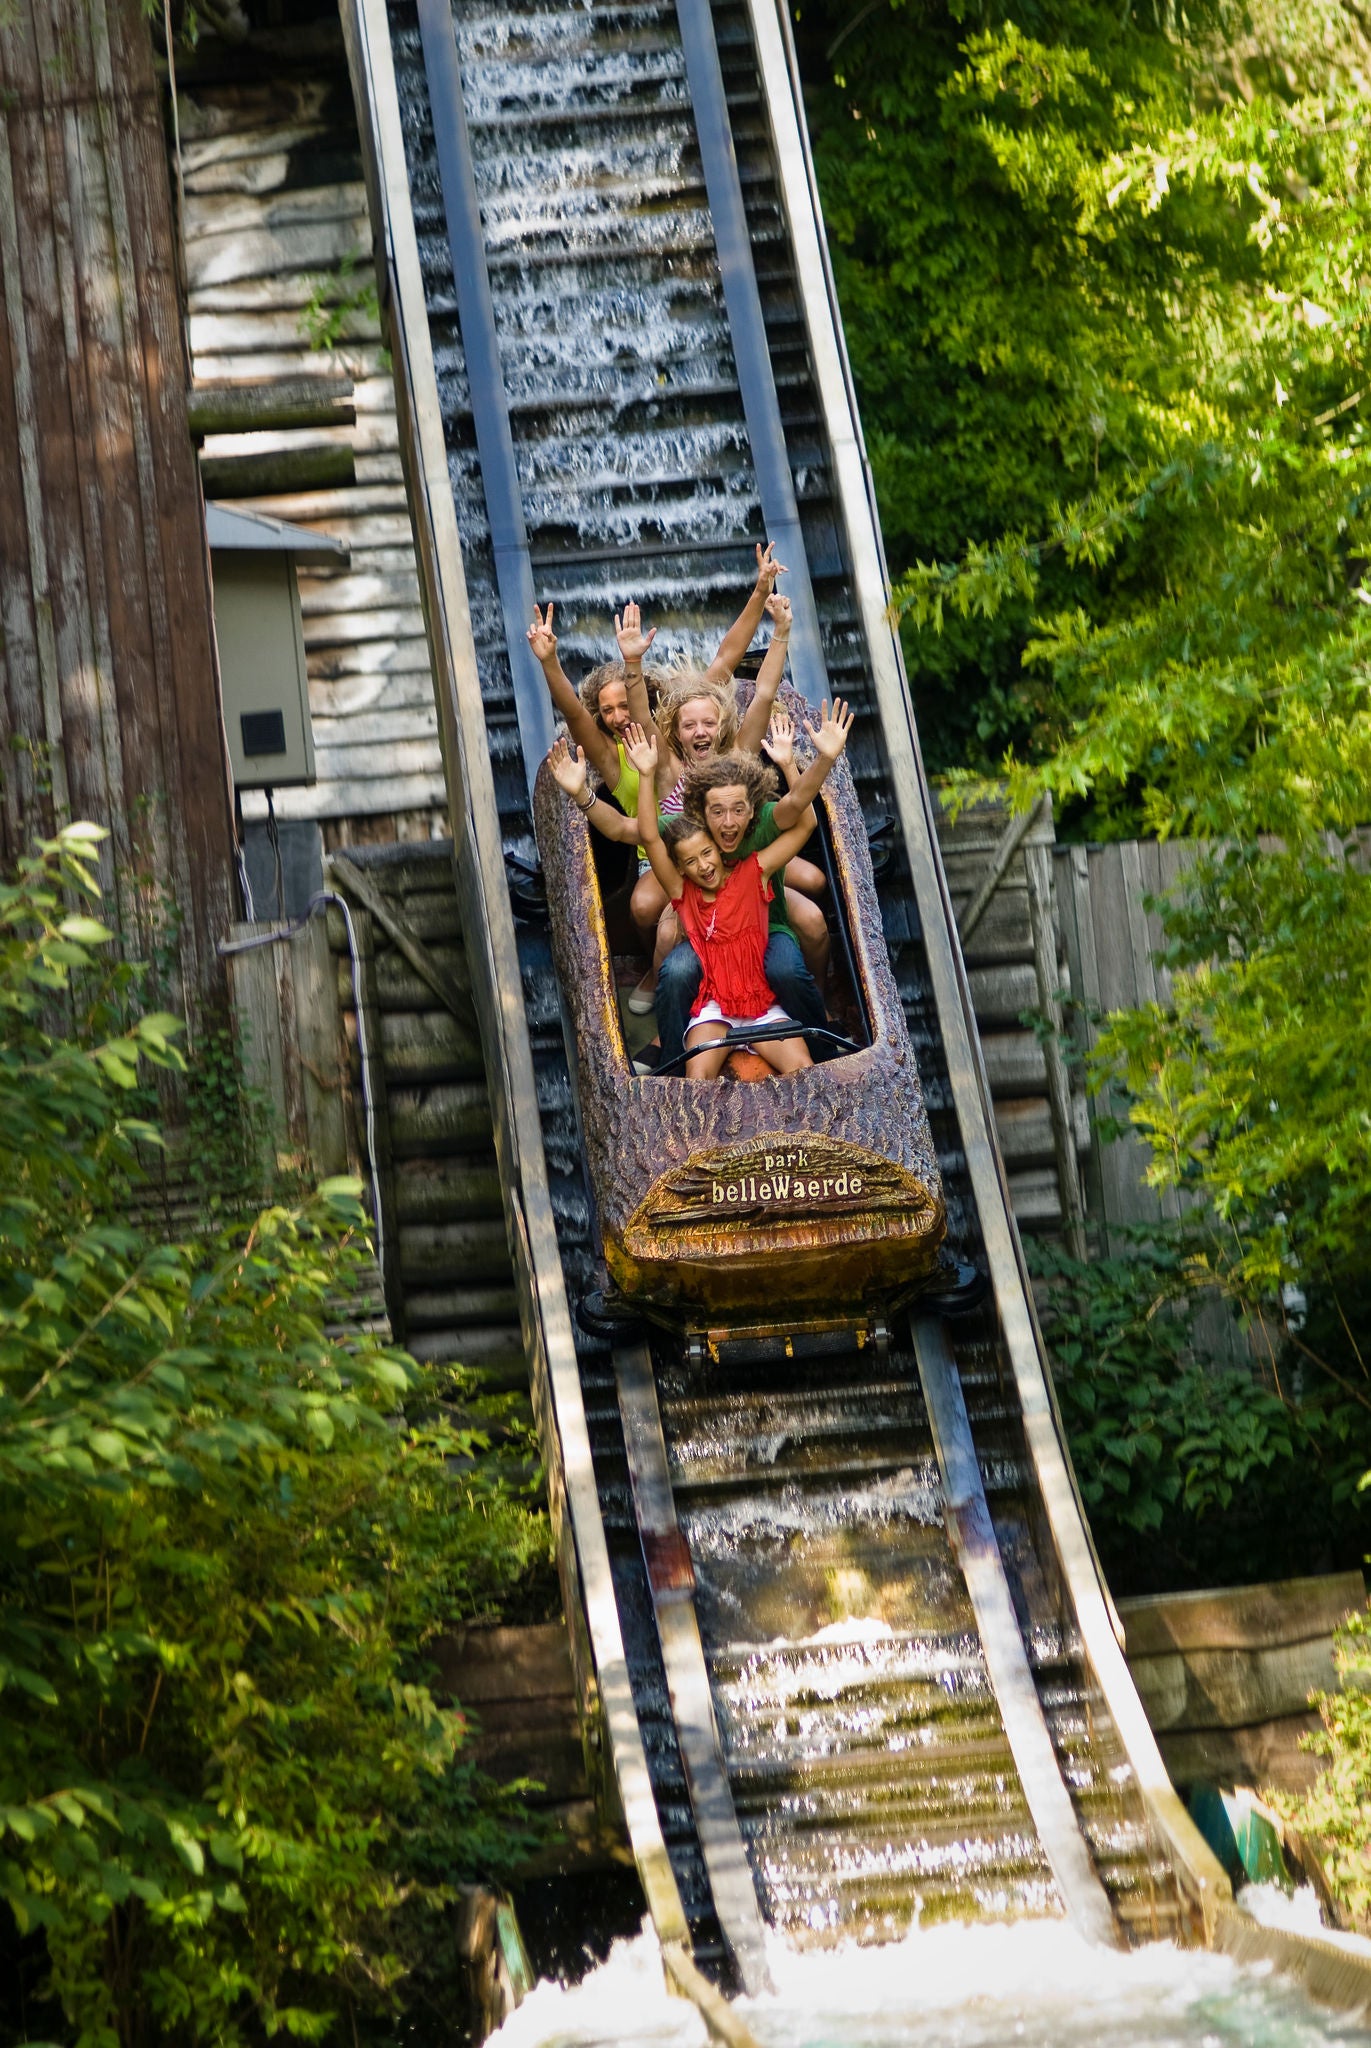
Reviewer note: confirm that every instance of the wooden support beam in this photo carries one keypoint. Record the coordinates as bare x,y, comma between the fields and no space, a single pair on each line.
258,408
1015,832
107,675
327,467
388,1235
456,996
1038,864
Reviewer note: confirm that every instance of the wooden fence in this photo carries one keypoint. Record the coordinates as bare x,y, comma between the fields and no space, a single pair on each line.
1110,939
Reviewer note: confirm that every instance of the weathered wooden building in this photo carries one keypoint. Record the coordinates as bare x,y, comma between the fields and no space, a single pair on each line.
280,295
108,694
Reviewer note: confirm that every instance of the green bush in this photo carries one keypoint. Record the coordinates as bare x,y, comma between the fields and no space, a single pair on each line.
1337,1810
230,1804
1184,1444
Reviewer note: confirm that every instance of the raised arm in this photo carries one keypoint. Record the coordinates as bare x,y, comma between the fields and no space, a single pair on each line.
642,752
738,638
569,771
633,645
793,817
779,746
768,676
599,747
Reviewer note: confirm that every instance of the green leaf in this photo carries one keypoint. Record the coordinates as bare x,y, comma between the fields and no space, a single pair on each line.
187,1847
87,931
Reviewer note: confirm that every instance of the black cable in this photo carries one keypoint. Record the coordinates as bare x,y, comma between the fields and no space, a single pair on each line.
274,838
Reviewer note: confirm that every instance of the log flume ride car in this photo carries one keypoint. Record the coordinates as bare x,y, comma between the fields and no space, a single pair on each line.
714,1197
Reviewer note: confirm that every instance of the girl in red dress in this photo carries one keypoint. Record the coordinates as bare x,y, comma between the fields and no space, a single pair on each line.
724,910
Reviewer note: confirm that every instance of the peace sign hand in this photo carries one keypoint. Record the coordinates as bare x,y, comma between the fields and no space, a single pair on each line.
541,637
768,568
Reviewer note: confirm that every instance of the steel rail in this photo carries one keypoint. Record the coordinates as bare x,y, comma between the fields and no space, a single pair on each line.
485,376
587,1586
671,1581
974,1545
751,350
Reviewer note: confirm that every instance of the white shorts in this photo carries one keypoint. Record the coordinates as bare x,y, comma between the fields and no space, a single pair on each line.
712,1014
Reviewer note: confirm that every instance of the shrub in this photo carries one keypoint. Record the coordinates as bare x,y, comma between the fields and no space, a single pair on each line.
1337,1810
230,1803
1177,1443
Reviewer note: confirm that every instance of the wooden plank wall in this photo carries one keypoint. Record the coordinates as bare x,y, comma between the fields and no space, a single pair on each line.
1110,939
108,691
999,960
1225,1676
276,235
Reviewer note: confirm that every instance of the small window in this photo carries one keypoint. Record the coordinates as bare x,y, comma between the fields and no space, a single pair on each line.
264,732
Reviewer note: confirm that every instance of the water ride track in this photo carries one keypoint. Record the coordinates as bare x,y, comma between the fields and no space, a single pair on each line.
619,361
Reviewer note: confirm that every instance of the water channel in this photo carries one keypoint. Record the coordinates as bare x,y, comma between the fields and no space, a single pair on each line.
1027,1986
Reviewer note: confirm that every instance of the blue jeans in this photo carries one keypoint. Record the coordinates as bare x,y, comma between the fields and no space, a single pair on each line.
789,980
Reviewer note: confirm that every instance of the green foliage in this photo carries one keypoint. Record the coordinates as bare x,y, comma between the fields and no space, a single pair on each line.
229,1803
1337,1810
1153,1425
1012,332
339,309
1177,1443
231,1154
1250,1085
1107,333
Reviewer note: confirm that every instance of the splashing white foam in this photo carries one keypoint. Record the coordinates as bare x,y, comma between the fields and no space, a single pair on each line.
1035,1985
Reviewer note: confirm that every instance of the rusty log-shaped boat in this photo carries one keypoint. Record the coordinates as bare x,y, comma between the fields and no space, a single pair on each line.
818,1189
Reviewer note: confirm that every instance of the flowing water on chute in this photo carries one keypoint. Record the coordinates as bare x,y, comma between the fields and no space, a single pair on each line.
1027,1986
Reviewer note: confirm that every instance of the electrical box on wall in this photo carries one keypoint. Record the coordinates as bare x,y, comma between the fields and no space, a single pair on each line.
261,643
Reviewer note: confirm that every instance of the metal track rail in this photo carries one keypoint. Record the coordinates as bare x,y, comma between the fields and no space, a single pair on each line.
972,1535
672,1581
751,353
490,404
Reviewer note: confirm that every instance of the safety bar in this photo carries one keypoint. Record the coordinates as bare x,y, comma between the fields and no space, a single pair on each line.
753,1034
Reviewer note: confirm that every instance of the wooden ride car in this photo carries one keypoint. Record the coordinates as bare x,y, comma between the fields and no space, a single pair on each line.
818,1191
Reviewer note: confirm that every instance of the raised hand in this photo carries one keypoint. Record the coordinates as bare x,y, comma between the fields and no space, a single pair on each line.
779,743
628,631
779,612
569,768
541,637
830,734
768,568
641,748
